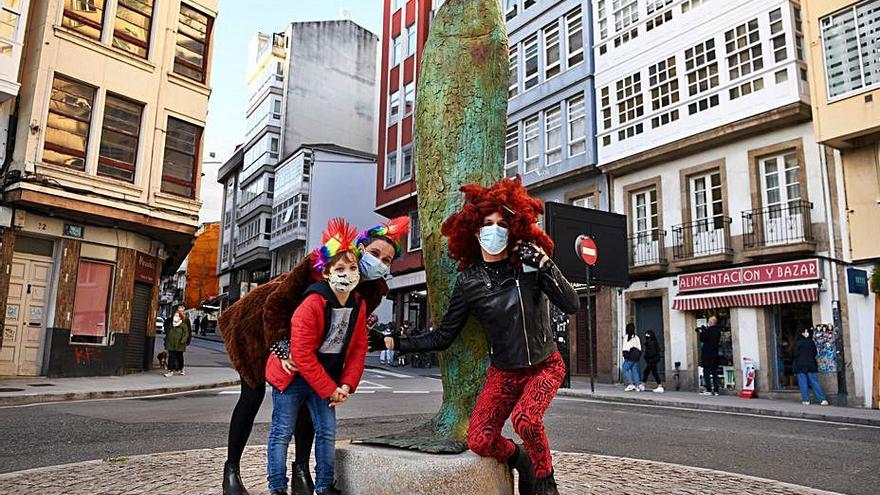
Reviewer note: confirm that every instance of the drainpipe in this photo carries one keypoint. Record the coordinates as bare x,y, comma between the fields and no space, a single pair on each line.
835,287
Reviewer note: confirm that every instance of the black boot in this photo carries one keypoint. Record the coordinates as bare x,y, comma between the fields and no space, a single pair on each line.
301,480
330,491
232,484
547,485
523,465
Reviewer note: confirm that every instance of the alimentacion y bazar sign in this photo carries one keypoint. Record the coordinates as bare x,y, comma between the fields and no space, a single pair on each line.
775,273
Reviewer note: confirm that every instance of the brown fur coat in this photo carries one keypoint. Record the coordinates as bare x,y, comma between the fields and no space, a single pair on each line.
262,317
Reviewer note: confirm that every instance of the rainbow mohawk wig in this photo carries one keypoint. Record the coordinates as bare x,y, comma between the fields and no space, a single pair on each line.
339,237
393,230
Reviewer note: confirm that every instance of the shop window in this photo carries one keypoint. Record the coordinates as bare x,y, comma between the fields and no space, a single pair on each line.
68,122
181,158
725,345
131,31
91,303
193,36
119,138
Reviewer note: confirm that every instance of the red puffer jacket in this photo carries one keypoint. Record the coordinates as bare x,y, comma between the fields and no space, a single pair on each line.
308,328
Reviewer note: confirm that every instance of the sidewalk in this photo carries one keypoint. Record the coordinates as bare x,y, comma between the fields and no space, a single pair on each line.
206,367
724,403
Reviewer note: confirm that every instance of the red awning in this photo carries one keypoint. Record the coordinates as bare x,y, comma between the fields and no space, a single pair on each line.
765,296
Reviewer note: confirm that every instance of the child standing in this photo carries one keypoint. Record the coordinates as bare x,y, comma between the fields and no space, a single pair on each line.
328,338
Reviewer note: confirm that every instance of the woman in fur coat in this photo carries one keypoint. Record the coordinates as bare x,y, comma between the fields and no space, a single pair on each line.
260,321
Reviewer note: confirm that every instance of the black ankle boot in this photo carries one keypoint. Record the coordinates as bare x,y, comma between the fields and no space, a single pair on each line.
523,465
232,484
547,485
301,480
330,491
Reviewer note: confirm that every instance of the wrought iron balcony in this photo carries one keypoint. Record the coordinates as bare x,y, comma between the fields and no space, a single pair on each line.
706,237
778,225
647,248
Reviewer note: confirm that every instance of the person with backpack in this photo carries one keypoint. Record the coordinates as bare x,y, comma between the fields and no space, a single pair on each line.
632,354
652,359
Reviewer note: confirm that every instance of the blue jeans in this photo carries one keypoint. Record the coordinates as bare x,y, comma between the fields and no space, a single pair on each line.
631,373
807,381
285,408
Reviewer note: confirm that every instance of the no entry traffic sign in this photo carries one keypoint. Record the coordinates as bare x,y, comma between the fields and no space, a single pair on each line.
587,250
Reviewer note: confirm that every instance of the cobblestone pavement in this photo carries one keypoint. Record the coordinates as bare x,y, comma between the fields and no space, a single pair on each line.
198,472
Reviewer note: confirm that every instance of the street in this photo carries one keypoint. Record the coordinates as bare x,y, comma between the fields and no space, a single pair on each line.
836,457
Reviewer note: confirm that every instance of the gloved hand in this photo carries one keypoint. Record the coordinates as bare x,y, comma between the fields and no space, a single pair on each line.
529,254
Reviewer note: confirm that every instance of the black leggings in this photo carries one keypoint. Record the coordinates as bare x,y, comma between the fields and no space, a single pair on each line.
651,368
243,422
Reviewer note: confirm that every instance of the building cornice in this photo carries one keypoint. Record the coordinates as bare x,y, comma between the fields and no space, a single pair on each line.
793,113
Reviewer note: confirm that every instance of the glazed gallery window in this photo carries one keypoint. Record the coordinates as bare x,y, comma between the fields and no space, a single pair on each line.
663,85
511,165
530,48
532,149
84,16
778,34
10,15
119,138
574,30
577,126
851,40
91,302
743,45
702,67
602,16
180,166
553,136
552,63
68,122
131,30
513,84
193,36
626,12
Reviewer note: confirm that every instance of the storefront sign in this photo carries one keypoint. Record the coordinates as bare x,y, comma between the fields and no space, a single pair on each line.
71,230
790,271
145,269
857,280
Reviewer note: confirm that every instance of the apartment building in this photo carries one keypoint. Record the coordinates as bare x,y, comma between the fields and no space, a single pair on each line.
843,49
704,130
315,82
103,178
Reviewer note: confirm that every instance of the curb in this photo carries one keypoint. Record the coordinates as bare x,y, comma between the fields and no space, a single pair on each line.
722,408
22,400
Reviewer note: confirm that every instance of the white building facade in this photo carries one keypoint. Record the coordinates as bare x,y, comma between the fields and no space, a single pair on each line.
703,127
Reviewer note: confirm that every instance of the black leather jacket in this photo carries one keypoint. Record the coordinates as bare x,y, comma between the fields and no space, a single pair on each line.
514,314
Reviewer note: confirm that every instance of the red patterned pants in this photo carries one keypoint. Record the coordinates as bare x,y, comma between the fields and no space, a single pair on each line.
523,396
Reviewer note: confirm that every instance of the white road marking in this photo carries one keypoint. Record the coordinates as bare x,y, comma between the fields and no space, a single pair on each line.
388,373
229,392
731,413
368,385
411,392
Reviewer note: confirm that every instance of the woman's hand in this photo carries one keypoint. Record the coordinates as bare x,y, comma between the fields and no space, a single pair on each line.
339,396
389,343
288,366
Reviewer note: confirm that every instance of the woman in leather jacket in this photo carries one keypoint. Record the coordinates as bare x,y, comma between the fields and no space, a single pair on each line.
506,280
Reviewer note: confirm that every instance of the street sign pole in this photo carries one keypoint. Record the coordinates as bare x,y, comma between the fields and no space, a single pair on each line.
591,354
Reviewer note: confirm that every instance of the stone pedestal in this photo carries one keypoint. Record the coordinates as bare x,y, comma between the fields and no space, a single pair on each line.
368,470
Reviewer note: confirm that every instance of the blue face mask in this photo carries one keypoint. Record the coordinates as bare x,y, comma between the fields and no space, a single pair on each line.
493,239
373,268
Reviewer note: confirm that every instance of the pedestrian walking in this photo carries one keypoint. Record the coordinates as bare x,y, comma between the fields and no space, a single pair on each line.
387,356
652,358
710,336
178,335
632,354
806,367
197,325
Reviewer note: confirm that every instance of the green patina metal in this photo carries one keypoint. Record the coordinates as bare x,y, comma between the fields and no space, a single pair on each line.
461,120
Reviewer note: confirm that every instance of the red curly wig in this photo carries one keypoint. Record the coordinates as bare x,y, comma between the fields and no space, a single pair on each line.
507,197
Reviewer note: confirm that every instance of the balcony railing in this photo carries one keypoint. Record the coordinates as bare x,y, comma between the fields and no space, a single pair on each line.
647,248
778,225
706,237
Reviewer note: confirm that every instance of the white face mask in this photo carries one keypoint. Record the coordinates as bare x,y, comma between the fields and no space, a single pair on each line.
493,239
344,282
